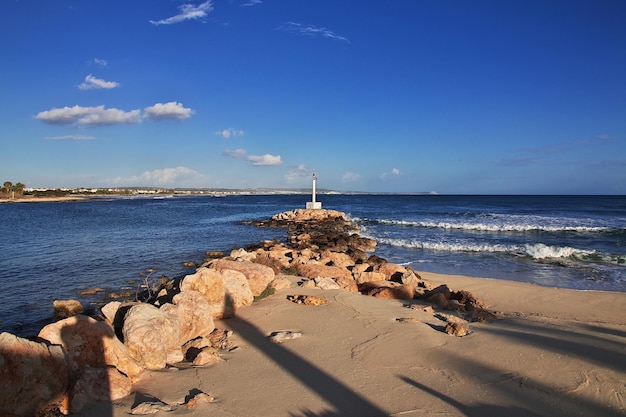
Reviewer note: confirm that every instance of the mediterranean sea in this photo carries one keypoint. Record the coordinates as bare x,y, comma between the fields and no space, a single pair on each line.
56,250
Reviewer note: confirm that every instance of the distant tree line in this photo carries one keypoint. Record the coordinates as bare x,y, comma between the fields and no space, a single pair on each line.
10,190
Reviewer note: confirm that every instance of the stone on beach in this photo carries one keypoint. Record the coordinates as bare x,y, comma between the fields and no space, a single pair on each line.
91,343
152,336
194,315
98,384
34,376
67,308
225,290
259,276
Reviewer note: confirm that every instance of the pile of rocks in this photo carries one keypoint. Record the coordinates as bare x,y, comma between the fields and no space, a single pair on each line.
81,359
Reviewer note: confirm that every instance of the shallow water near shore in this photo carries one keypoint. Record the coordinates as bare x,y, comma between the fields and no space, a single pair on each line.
55,250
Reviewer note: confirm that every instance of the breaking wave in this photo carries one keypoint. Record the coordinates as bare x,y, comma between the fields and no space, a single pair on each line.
491,227
536,251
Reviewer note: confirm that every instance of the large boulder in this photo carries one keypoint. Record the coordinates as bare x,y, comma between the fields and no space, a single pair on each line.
194,314
225,290
152,336
259,276
34,377
238,290
98,384
209,283
91,343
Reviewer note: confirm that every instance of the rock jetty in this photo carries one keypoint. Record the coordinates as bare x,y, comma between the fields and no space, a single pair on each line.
81,359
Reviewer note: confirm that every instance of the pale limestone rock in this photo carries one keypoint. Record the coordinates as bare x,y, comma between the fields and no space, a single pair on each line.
282,336
392,272
307,300
359,268
347,284
322,271
92,343
194,315
300,215
67,308
209,283
98,384
259,276
363,277
34,376
110,310
152,336
242,255
238,288
326,284
280,283
206,356
337,258
199,398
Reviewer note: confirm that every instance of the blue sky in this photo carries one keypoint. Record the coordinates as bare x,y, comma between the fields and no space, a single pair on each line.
454,96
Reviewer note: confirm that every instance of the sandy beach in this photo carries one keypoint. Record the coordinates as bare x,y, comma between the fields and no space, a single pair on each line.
552,352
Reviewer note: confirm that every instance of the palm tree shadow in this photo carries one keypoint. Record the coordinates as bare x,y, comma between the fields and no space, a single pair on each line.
478,410
339,396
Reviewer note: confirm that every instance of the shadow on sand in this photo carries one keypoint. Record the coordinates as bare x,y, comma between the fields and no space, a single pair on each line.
344,401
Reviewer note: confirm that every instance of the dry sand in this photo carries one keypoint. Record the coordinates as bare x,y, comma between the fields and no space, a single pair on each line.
553,352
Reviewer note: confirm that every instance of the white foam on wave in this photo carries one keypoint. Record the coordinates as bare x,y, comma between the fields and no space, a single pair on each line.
446,246
542,251
538,251
493,227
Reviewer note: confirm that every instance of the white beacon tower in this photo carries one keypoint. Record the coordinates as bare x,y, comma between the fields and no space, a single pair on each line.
314,205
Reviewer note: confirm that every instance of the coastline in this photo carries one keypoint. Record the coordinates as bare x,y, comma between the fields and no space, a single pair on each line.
552,352
30,199
529,350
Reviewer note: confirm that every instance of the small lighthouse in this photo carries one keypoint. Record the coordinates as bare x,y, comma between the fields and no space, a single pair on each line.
315,205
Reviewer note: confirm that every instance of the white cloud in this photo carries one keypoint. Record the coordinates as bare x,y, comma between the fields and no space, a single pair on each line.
252,3
161,177
267,159
167,111
237,153
311,30
70,137
187,12
99,116
100,62
297,173
350,176
386,175
92,82
227,133
88,116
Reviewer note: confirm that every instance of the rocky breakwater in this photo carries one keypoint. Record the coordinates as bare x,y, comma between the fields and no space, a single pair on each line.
327,251
81,359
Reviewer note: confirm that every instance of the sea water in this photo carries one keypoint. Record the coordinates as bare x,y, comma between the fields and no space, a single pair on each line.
55,250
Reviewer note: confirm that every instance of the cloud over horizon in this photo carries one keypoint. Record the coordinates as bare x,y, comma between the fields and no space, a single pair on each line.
187,12
70,137
162,177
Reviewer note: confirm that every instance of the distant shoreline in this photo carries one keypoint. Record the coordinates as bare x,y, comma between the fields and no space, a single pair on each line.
32,199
